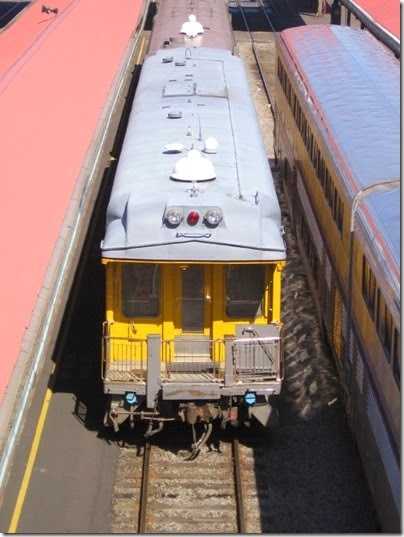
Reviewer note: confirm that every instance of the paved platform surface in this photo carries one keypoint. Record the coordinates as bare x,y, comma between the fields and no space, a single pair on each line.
57,73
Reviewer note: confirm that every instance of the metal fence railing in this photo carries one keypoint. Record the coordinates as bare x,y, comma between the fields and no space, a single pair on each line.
124,359
257,358
237,359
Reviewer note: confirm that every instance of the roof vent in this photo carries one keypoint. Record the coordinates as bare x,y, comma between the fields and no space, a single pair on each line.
210,145
193,167
174,114
173,148
192,28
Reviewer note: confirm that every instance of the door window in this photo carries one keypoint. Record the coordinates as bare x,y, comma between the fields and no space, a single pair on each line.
193,299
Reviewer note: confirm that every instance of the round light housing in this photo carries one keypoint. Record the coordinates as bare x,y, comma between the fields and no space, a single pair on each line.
214,217
250,398
193,218
174,216
130,398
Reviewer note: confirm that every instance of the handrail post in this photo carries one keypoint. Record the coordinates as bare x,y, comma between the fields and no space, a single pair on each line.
229,365
153,369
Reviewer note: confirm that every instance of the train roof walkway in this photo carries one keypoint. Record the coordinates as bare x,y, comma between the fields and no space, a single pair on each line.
58,76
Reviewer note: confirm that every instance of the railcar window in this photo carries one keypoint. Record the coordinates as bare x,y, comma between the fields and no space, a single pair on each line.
304,129
295,104
310,249
245,291
388,332
321,171
380,317
323,174
314,152
298,115
369,287
141,290
384,325
329,188
338,211
280,70
310,143
397,356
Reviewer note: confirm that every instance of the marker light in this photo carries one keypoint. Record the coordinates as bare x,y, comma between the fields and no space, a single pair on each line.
174,216
193,218
214,217
130,397
250,398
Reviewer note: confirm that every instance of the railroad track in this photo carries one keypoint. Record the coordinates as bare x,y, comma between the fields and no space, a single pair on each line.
160,491
256,43
262,37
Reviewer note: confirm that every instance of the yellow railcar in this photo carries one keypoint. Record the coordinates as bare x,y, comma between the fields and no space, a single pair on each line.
193,252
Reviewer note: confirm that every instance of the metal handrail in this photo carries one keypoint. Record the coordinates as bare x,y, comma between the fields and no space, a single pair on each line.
251,356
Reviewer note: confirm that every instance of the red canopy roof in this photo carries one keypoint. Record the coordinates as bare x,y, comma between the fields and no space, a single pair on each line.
386,13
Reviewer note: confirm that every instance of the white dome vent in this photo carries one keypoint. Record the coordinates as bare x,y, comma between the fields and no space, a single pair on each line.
193,167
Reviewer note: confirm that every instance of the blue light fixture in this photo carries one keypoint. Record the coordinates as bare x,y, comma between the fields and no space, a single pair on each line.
250,398
130,398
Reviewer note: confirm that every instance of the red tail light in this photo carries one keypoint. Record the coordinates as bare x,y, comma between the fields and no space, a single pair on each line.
193,218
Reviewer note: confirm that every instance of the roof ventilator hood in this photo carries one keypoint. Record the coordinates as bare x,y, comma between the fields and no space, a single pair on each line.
193,167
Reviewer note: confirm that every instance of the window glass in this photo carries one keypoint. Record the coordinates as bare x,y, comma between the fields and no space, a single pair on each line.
384,325
141,290
245,291
388,332
380,319
369,288
339,217
193,298
397,357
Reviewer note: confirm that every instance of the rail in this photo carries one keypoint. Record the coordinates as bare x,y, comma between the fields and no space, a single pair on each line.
192,487
144,488
241,523
264,11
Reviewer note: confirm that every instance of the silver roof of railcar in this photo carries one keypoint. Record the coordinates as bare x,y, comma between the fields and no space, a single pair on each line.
352,84
213,15
209,90
383,232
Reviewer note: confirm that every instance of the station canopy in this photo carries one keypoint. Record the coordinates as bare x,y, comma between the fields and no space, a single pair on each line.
385,13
